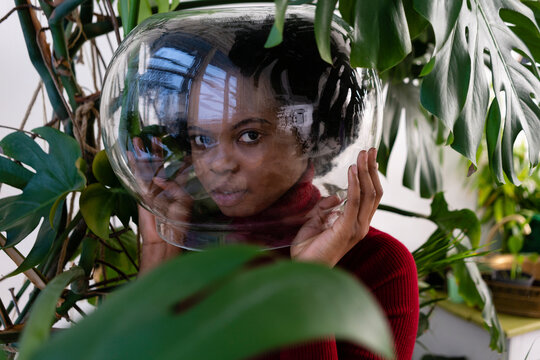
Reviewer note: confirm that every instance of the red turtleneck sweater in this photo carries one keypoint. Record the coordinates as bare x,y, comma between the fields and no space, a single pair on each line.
387,268
381,262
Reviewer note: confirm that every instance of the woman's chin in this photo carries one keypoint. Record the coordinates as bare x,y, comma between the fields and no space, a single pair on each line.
236,211
240,210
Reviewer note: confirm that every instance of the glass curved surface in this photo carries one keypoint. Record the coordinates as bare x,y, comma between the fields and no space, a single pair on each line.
226,141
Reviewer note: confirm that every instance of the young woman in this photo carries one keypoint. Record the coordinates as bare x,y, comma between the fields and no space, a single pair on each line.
256,126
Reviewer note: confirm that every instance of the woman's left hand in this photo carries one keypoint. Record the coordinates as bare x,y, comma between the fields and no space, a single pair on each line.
323,240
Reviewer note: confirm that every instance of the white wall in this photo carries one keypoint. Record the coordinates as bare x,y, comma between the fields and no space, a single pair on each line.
18,80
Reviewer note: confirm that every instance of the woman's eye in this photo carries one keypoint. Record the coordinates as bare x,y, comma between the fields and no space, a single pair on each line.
250,137
203,141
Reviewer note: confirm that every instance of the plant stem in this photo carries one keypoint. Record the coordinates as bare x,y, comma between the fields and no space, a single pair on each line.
109,281
87,11
116,236
120,272
90,31
31,105
15,9
4,316
64,235
18,295
71,299
62,10
402,212
109,8
31,299
30,36
32,274
133,16
63,67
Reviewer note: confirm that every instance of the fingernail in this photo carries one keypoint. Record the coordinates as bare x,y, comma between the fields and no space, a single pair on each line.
365,155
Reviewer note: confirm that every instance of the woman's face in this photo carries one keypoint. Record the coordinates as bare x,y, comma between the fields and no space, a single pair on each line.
244,156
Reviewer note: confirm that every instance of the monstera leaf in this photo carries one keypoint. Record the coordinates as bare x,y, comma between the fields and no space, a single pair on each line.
402,100
224,303
380,35
483,73
55,175
458,88
36,330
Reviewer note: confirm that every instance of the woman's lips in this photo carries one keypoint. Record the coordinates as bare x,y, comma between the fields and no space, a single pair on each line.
228,198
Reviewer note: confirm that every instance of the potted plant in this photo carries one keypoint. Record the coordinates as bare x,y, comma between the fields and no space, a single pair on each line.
435,71
511,212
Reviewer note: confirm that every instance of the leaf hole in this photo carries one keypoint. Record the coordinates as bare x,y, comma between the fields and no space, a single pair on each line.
521,160
487,58
8,190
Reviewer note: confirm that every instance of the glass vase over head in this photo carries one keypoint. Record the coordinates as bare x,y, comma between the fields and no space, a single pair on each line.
227,141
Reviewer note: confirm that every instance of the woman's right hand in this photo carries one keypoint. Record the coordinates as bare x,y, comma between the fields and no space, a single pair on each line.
167,195
154,249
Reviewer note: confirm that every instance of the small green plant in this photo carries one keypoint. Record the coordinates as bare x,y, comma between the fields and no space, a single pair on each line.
509,209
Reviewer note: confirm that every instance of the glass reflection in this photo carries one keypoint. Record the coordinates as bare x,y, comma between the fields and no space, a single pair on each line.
234,142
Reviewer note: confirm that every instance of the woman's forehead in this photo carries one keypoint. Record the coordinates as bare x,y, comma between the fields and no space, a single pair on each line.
220,95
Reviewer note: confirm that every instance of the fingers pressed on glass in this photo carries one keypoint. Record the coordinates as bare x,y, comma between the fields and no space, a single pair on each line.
329,202
136,168
157,147
374,173
367,190
147,164
353,196
141,161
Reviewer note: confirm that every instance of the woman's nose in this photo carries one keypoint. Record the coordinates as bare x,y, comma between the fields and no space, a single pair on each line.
224,161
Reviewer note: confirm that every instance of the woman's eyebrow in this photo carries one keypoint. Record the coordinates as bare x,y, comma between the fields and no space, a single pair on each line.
193,128
249,121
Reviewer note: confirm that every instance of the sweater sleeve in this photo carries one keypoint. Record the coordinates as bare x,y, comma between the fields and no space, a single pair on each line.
388,269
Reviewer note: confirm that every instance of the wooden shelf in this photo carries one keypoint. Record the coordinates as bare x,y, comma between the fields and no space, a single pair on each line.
512,325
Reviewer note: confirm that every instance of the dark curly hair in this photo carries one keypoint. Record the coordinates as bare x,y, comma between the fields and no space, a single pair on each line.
333,94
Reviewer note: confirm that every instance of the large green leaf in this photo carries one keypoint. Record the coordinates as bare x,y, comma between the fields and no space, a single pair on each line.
442,15
402,99
115,254
324,14
442,250
448,220
209,305
380,35
523,28
476,292
276,33
55,176
45,237
13,174
99,203
458,91
417,23
444,89
37,327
